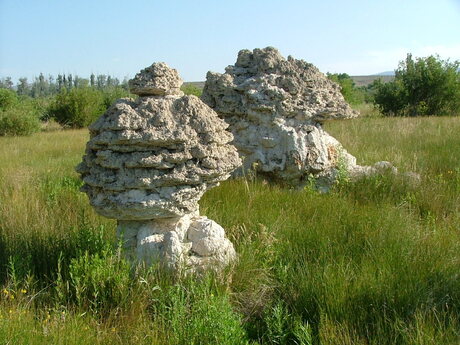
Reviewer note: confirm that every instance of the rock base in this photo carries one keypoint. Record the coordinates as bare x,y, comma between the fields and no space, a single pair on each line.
191,242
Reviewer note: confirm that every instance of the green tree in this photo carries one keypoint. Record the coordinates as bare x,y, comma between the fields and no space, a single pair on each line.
69,81
78,107
8,99
59,82
23,87
40,87
51,85
350,92
422,86
6,83
101,81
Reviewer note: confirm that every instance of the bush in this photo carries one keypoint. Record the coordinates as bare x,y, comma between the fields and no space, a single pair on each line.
19,120
190,89
195,312
8,99
350,92
97,282
78,107
424,86
114,93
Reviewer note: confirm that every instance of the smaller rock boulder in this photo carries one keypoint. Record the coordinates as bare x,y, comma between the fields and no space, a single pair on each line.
156,80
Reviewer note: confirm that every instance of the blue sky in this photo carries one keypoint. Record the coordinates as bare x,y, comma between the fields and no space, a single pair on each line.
121,37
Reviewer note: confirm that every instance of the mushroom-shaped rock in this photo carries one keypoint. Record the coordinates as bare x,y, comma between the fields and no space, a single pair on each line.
274,107
147,164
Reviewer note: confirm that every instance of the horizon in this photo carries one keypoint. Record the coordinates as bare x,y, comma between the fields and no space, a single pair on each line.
108,37
87,77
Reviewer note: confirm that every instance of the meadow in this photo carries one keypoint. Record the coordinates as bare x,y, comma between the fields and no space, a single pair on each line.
372,262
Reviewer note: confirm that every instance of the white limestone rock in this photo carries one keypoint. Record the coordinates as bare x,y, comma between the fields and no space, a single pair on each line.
190,242
149,161
275,108
158,79
160,168
262,85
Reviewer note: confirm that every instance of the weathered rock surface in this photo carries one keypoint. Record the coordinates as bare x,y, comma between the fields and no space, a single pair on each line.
158,79
275,108
190,242
149,161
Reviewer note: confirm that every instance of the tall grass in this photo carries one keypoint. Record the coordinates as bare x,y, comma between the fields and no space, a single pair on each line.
374,262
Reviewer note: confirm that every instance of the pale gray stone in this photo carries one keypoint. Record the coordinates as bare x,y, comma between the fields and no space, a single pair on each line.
149,161
158,79
193,242
275,108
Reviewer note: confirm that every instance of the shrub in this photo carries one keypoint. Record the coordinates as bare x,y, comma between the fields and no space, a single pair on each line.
8,99
19,120
97,282
195,312
78,107
190,89
114,93
424,86
350,92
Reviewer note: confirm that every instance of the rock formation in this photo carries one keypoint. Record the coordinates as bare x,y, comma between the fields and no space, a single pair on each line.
147,164
275,108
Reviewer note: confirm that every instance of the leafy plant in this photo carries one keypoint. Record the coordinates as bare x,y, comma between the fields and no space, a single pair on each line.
19,120
190,89
8,99
195,312
424,86
350,92
78,107
99,282
114,93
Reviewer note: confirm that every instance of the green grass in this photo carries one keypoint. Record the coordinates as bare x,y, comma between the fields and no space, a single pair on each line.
374,262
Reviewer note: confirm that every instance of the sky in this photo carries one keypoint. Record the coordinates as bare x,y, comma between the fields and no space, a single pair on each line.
120,38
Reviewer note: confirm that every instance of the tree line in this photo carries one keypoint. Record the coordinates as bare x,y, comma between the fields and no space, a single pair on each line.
422,86
66,101
43,86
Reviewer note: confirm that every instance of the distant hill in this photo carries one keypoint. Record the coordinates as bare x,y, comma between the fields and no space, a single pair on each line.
390,73
364,80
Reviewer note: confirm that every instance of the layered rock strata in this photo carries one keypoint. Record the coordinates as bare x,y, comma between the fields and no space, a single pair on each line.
147,164
275,109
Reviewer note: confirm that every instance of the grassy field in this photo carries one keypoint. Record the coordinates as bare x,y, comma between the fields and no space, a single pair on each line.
372,262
